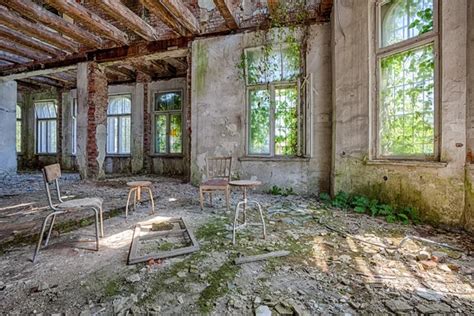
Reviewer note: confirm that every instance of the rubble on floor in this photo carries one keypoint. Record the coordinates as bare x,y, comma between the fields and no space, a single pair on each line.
326,272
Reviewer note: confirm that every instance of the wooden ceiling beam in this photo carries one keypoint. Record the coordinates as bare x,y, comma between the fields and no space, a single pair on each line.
27,84
225,8
169,69
176,63
21,50
16,22
41,82
41,15
125,71
128,18
68,81
182,14
157,9
171,48
47,81
89,20
19,38
13,58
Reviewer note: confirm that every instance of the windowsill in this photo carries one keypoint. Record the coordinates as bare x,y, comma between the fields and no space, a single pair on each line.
46,154
166,156
118,155
277,159
408,163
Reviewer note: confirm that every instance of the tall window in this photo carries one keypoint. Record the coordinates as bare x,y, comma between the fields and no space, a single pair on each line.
18,128
45,127
168,122
273,100
74,126
406,56
119,113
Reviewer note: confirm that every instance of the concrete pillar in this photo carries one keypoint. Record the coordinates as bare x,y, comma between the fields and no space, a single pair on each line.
92,102
137,127
144,125
8,96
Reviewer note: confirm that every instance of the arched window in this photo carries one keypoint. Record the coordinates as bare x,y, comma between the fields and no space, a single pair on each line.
119,113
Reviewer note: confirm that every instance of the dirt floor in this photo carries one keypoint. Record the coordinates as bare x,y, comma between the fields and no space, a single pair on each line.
340,262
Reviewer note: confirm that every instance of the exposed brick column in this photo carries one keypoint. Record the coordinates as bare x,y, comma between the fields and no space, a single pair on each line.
147,117
92,96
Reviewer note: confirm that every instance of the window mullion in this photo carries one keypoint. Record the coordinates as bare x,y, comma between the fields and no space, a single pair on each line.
272,119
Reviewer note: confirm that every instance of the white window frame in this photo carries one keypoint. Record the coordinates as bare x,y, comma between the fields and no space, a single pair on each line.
168,114
49,151
271,87
119,118
74,127
426,39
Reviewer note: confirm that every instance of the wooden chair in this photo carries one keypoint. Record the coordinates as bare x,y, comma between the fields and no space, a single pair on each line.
51,174
218,171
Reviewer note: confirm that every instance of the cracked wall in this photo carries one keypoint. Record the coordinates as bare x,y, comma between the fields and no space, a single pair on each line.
218,104
437,189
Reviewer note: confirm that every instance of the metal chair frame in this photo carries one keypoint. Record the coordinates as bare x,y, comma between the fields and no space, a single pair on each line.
51,174
216,168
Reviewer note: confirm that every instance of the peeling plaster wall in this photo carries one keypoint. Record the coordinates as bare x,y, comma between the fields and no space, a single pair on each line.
169,165
218,105
437,189
8,99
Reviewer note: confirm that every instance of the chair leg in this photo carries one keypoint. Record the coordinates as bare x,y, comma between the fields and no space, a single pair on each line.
50,230
227,198
210,197
201,198
151,200
135,197
101,223
128,201
236,218
97,230
38,245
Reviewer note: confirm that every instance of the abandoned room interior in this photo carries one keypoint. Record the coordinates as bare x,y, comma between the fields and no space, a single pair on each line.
236,157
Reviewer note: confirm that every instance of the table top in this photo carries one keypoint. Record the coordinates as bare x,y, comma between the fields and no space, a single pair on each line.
245,183
139,184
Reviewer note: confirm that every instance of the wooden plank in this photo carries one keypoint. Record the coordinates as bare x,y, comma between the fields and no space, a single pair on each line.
21,50
128,18
39,14
13,58
171,48
89,19
265,256
19,38
16,22
157,9
176,63
225,8
183,15
176,232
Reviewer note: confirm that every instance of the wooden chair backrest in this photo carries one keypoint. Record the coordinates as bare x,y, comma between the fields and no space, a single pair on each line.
52,172
218,167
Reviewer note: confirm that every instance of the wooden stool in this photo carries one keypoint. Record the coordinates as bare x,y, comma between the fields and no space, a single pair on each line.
136,187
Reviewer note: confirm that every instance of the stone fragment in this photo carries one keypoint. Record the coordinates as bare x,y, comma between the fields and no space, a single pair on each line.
282,310
429,294
433,308
428,264
423,255
133,278
439,256
263,310
398,305
444,267
182,274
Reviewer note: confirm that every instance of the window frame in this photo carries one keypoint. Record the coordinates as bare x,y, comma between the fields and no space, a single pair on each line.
48,121
168,114
119,133
271,87
417,42
74,112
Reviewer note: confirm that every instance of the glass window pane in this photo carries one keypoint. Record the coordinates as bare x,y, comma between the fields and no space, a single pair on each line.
120,104
160,134
45,109
51,136
286,121
168,101
124,141
407,103
175,134
112,135
259,138
256,65
41,137
18,135
291,61
404,19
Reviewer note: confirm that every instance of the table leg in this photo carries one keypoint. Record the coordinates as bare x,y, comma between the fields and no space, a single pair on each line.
245,205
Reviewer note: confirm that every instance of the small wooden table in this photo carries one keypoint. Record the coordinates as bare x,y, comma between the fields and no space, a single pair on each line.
136,187
244,185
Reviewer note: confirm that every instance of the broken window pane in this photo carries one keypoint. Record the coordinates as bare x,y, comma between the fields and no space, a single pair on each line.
168,101
256,66
286,121
405,19
407,103
259,142
168,122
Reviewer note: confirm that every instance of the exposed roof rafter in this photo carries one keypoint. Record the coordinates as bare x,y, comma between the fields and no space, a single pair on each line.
225,8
